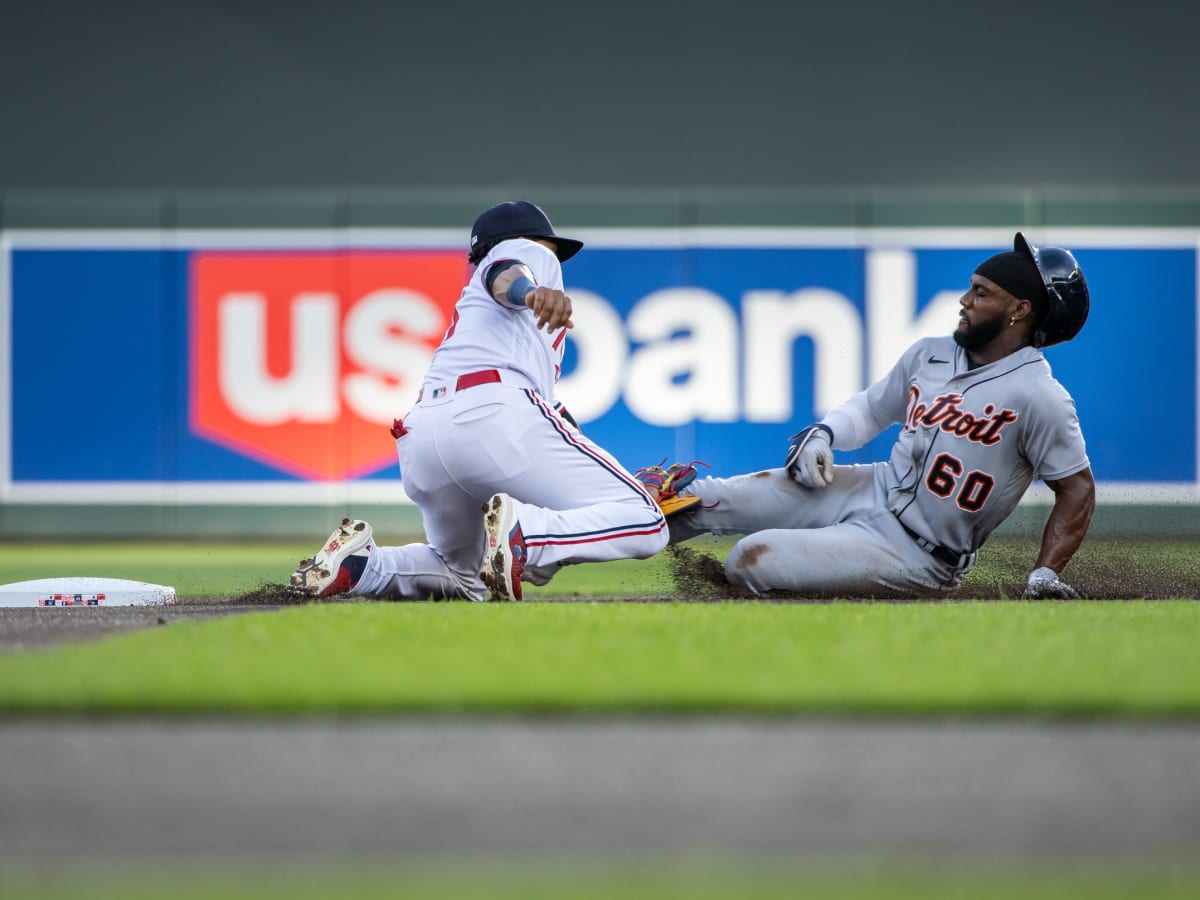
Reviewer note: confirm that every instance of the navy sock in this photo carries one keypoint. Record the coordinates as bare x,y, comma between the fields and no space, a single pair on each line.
354,565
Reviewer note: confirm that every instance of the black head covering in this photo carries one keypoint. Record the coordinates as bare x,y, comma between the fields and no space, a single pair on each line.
1018,274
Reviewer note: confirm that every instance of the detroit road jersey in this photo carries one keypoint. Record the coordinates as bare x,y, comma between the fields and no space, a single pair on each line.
972,441
486,422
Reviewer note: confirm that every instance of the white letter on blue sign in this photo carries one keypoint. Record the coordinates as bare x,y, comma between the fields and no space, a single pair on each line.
688,369
773,321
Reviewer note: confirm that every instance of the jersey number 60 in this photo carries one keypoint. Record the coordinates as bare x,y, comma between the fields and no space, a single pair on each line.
943,478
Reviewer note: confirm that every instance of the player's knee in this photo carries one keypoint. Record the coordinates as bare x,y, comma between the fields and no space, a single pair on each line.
734,573
743,567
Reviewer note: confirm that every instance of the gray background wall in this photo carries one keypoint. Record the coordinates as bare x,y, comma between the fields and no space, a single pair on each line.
201,94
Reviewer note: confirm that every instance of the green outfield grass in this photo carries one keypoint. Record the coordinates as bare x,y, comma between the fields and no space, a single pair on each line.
961,658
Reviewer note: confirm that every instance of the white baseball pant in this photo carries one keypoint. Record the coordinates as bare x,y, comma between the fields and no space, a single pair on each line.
575,502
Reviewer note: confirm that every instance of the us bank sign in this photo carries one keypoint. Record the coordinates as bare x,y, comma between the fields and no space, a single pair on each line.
229,366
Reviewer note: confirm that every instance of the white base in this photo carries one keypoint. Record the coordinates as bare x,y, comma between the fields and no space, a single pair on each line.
60,592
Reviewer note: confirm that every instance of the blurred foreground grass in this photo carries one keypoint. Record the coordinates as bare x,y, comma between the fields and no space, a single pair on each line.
964,658
456,879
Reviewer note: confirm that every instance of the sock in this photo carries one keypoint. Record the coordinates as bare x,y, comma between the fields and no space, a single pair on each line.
354,564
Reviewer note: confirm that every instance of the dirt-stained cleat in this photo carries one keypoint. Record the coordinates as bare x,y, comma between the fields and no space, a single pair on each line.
337,566
504,554
664,486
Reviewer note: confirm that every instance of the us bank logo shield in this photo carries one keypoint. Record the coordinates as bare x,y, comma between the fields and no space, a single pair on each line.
301,360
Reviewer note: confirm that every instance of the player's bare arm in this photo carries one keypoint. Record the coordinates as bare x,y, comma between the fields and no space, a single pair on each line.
1074,502
552,307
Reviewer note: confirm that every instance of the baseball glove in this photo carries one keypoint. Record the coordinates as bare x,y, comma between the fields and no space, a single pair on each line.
664,486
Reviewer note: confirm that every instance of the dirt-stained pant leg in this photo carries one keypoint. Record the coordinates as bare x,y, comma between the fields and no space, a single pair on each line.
744,504
839,540
871,557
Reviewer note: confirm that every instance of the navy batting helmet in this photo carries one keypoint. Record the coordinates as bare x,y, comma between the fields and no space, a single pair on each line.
514,219
1066,288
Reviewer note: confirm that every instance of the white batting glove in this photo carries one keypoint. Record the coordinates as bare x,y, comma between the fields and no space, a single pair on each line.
810,457
1044,583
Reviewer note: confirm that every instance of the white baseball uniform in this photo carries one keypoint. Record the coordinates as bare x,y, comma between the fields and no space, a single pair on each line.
486,422
972,442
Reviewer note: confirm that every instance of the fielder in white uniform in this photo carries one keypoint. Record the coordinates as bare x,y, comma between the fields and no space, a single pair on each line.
982,417
508,486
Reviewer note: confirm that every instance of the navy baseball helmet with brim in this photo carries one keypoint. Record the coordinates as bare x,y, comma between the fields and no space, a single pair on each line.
520,218
1066,289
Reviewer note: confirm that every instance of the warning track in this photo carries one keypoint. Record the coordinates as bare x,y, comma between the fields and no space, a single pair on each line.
412,788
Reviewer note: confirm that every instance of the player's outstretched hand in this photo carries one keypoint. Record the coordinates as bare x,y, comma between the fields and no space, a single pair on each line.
1044,584
810,457
552,308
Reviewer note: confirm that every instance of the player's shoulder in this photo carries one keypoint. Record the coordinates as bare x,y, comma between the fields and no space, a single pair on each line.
1032,362
1051,385
537,256
1041,389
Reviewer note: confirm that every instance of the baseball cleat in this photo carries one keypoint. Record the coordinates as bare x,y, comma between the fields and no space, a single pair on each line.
504,554
337,566
664,486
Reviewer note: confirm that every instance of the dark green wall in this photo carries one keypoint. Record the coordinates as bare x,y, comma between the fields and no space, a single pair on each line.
202,94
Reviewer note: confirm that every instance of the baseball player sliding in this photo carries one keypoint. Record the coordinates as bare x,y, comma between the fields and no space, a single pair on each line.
982,416
507,485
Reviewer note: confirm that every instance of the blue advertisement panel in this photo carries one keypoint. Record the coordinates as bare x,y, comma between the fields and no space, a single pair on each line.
133,365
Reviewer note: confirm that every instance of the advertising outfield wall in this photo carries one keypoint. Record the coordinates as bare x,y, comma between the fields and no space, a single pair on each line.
150,371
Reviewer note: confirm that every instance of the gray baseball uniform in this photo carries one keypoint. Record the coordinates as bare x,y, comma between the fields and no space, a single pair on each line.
972,442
